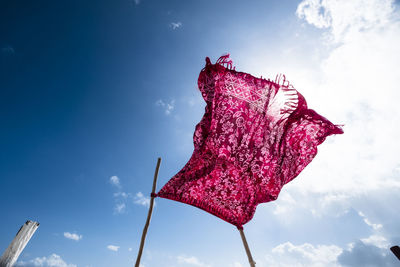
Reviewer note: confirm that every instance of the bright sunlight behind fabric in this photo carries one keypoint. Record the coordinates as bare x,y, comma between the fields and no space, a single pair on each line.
256,135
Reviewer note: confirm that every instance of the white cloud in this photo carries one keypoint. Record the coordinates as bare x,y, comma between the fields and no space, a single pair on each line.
53,260
350,77
376,240
140,199
284,204
168,106
182,259
345,18
121,195
352,82
356,84
119,208
113,248
73,236
121,201
295,201
368,222
114,180
175,25
361,254
314,13
306,254
137,2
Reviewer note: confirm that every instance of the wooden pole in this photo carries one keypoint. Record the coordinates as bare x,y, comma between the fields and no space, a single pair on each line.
396,251
246,247
10,256
146,226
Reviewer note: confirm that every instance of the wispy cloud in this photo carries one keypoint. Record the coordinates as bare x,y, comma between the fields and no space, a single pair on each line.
344,18
53,260
119,208
167,106
361,254
122,199
113,247
284,204
8,49
175,25
314,13
136,2
288,254
191,260
72,236
121,195
114,180
140,199
374,226
376,240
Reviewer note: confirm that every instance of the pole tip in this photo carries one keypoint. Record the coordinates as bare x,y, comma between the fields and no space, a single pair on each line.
396,251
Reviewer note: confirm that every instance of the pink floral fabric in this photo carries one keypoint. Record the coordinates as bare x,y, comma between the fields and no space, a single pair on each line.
255,136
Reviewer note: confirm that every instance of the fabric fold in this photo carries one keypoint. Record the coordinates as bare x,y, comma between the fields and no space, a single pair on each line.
255,136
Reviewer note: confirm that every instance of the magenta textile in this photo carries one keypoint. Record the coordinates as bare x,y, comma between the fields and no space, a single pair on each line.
255,136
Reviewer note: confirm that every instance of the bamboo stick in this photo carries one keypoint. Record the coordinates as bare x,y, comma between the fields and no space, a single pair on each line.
246,247
146,226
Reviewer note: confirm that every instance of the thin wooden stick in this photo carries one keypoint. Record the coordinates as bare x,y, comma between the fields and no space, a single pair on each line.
246,247
146,226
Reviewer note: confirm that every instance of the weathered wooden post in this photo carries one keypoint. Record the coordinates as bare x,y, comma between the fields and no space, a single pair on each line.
22,238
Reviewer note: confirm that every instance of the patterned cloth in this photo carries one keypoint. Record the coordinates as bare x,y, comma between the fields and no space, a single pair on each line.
256,135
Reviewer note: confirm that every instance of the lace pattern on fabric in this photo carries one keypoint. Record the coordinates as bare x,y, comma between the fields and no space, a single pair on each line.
255,136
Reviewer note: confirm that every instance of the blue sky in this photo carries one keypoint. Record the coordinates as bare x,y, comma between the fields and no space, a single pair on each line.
91,93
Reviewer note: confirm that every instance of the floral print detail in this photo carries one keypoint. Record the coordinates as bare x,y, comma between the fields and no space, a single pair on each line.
255,136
